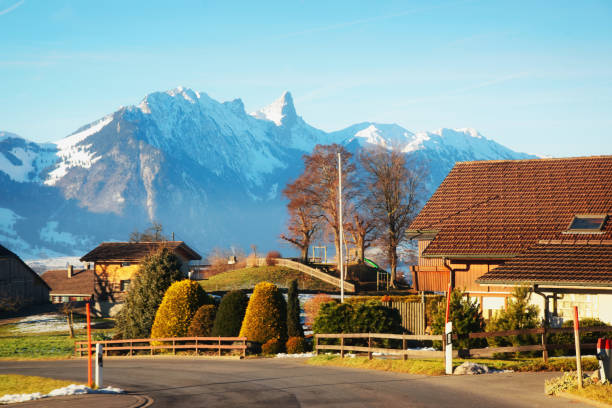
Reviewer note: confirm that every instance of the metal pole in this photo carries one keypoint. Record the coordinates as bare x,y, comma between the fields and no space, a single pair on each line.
341,227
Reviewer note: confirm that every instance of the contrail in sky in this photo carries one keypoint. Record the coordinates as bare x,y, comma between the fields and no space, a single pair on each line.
11,8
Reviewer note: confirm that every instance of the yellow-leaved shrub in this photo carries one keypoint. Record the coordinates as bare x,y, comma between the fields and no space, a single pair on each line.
266,315
180,302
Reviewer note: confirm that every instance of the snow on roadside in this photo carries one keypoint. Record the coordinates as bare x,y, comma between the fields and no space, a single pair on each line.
297,355
43,323
72,389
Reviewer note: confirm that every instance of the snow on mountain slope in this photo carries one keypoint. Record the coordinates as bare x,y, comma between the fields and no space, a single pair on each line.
206,170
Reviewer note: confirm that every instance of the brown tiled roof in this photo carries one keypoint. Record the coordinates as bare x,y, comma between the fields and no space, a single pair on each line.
498,208
557,263
81,282
135,251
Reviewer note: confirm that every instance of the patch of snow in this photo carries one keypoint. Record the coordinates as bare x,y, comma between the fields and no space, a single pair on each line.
18,171
274,111
43,324
72,389
296,355
470,368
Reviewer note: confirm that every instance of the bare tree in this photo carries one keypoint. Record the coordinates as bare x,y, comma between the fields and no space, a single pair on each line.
395,186
301,228
317,186
152,234
361,230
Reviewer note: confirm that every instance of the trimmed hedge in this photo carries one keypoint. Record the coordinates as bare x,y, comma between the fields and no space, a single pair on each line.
266,315
202,322
371,317
180,303
230,314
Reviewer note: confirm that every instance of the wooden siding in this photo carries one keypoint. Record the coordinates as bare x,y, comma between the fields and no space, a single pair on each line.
430,279
19,283
428,261
435,278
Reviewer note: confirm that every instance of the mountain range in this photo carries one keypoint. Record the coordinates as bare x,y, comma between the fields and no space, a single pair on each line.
208,171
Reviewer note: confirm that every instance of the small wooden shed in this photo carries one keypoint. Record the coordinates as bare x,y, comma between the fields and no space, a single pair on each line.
19,284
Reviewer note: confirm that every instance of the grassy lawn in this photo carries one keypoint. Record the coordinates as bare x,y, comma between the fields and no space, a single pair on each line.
247,278
25,384
436,366
595,392
15,345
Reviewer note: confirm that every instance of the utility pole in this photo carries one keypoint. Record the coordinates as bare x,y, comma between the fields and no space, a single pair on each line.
341,228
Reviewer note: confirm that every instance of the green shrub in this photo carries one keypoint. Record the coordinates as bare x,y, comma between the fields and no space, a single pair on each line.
272,346
296,345
180,303
157,272
371,317
519,314
465,315
202,322
294,325
585,337
266,315
334,317
230,314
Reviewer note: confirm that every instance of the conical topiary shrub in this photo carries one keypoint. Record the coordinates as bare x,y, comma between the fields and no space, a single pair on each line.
294,325
230,314
181,301
266,315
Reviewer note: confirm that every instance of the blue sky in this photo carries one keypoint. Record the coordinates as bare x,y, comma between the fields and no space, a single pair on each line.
534,76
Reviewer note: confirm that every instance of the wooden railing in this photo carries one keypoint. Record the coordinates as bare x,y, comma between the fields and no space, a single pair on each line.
171,343
403,351
314,272
544,346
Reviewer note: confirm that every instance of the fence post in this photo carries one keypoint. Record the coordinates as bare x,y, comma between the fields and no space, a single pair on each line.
316,345
173,347
151,346
131,347
545,345
219,346
196,345
369,346
341,347
243,348
405,356
577,342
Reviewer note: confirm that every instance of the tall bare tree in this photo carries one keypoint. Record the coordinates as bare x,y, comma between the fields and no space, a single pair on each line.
361,230
317,186
394,189
303,219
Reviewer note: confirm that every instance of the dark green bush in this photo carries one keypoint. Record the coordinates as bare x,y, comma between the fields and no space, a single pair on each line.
230,314
202,322
157,272
294,325
585,337
466,318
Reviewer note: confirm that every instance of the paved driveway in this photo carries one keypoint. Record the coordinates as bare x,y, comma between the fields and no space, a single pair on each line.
183,382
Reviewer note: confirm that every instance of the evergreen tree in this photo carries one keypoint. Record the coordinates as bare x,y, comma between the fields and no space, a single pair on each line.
518,315
465,315
294,326
230,314
157,272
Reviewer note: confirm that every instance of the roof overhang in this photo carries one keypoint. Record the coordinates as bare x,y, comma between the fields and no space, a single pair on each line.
421,234
543,284
475,256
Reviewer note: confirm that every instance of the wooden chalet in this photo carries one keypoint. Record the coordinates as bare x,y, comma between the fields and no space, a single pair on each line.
492,225
19,284
115,263
70,285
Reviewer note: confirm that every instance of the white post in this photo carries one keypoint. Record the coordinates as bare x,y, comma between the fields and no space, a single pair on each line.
341,238
448,356
99,364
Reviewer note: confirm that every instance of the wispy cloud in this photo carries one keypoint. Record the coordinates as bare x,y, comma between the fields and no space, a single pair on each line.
372,19
11,8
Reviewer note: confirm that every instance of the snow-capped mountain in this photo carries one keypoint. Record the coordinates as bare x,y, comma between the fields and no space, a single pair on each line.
207,170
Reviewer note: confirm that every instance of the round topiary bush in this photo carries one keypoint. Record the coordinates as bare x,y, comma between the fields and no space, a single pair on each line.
272,346
296,345
202,322
230,314
180,303
266,315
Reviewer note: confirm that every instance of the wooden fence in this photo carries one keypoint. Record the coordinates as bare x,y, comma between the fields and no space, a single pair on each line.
403,351
412,314
171,343
314,272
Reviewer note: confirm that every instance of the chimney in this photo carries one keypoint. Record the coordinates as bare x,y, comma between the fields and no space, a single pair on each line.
70,269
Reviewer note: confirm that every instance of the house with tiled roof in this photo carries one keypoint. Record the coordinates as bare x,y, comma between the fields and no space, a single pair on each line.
116,263
70,285
492,225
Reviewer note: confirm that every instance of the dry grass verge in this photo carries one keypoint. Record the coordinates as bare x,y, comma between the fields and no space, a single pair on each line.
26,384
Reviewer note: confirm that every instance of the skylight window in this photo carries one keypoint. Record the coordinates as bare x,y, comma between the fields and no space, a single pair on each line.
587,223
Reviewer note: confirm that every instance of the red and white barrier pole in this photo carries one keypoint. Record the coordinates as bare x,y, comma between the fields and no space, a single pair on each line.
577,341
448,336
89,380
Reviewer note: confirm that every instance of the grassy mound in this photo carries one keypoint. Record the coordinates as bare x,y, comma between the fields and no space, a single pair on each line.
247,278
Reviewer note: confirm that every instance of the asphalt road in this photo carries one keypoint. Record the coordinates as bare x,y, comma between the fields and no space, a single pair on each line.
179,382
